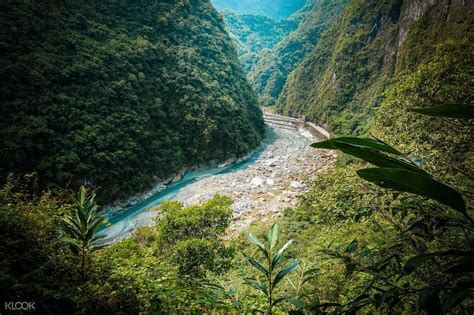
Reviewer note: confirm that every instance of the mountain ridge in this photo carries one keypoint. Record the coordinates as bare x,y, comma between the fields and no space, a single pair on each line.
119,95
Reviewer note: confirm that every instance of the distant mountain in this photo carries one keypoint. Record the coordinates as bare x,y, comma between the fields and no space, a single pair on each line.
254,33
277,9
269,73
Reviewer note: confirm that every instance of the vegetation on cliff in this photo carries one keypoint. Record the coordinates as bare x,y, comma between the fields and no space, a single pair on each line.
268,76
341,81
255,33
119,95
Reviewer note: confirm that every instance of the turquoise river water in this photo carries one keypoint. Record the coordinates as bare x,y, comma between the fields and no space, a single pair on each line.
127,221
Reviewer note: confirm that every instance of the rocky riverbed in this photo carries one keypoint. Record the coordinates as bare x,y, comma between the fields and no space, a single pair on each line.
274,182
272,178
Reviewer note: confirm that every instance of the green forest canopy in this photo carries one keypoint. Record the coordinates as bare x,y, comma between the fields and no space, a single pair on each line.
119,94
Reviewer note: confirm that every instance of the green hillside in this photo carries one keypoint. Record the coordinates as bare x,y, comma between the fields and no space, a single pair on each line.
254,33
269,74
341,81
119,95
376,219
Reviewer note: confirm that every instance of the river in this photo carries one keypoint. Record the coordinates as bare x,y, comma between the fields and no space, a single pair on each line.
266,173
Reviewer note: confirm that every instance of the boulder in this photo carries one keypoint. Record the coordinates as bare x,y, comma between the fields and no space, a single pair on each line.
241,206
296,185
271,163
256,181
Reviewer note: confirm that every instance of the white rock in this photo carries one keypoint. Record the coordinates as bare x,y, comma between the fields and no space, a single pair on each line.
296,185
271,163
270,182
241,206
256,181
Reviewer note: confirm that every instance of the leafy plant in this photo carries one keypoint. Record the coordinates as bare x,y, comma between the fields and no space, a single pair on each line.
272,259
190,237
452,110
396,171
81,226
390,276
223,295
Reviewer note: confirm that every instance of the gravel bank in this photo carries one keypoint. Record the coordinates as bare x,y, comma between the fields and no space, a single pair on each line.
263,190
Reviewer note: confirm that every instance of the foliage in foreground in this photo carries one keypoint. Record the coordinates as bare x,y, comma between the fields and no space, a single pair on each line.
402,253
271,277
390,271
160,268
81,226
362,247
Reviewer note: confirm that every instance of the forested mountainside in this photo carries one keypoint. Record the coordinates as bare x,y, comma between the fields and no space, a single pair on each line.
254,33
276,9
341,81
269,74
119,94
383,226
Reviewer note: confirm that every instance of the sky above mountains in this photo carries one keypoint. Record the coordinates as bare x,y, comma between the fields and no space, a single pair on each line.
277,9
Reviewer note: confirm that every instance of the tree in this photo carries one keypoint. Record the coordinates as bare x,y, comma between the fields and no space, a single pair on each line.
272,258
81,226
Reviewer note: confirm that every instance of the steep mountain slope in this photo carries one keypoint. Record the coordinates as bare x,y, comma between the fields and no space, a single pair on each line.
119,94
341,82
269,74
277,9
254,33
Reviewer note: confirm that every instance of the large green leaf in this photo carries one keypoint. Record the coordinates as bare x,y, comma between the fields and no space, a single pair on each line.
278,300
415,183
362,142
452,110
461,266
257,265
273,235
257,242
285,271
352,247
452,299
256,285
413,263
73,244
277,257
378,155
82,219
297,303
82,195
92,230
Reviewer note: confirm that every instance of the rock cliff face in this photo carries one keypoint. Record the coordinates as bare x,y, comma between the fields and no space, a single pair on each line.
340,83
426,23
413,12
